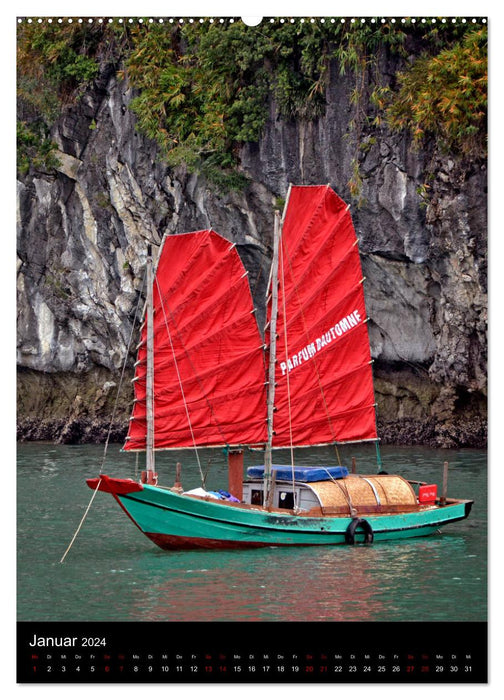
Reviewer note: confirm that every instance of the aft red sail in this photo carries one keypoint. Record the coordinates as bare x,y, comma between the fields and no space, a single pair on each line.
324,390
208,357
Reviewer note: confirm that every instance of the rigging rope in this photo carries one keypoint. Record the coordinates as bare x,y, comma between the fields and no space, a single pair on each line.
288,383
189,359
133,325
180,384
315,366
343,489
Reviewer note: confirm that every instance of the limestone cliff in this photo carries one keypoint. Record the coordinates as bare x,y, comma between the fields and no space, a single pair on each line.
83,231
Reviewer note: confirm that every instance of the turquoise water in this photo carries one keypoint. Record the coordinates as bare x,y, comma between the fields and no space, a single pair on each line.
113,572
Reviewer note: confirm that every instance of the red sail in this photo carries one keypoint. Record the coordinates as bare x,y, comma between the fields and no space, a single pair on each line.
324,389
208,357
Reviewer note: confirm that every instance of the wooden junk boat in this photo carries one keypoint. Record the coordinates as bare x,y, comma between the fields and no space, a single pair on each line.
206,377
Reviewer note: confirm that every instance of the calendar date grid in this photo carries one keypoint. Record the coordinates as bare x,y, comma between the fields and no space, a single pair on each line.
261,663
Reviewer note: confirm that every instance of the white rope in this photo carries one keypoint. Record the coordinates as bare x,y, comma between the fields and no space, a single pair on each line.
288,383
181,386
108,434
319,382
82,521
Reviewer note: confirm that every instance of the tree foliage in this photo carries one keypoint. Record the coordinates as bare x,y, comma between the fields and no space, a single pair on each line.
203,89
54,66
445,96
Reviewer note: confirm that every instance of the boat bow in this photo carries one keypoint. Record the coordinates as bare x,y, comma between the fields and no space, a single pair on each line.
117,487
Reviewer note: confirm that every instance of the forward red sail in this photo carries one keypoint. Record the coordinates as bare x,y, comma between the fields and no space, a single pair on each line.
324,390
208,358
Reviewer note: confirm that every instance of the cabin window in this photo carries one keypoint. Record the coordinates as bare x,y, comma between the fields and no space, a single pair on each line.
286,499
256,497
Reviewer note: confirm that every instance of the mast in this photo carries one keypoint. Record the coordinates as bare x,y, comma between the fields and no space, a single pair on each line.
272,358
277,234
150,371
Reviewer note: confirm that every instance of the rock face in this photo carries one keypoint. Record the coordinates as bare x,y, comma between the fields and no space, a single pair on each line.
83,233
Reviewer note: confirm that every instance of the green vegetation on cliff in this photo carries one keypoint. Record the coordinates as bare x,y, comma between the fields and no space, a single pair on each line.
202,89
445,95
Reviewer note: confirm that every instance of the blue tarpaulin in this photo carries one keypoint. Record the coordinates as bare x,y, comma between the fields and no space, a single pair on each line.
284,473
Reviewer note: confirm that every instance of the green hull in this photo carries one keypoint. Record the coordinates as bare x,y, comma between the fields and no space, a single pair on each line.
176,521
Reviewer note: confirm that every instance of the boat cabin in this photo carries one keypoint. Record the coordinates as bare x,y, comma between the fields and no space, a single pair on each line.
332,490
291,487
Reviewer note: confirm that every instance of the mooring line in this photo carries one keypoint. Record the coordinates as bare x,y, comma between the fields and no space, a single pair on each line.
82,521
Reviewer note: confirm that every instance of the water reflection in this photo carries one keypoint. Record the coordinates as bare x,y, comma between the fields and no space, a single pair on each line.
274,584
410,581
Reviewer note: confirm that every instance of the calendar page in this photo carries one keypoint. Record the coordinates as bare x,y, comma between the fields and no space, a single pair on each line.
252,347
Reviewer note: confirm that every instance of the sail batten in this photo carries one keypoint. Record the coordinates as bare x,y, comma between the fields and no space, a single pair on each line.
311,321
307,277
201,305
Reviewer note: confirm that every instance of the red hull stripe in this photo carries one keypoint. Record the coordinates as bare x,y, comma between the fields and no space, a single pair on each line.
175,542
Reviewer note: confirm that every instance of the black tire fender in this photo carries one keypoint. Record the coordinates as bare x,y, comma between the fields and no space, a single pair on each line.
354,526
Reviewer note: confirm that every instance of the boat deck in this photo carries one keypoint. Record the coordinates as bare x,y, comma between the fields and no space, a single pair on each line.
343,511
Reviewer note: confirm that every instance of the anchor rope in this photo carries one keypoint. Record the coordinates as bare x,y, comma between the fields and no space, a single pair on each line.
82,521
109,432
